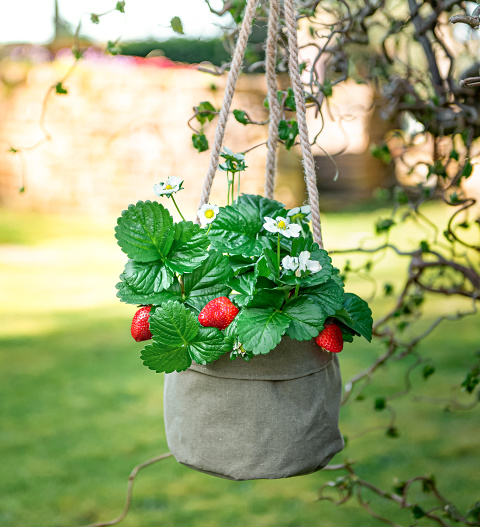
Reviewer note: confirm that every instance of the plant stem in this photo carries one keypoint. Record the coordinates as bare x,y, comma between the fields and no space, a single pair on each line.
182,286
297,287
228,190
233,188
209,227
278,256
238,190
175,203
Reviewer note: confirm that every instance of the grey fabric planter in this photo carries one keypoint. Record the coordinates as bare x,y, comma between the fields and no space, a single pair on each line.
275,416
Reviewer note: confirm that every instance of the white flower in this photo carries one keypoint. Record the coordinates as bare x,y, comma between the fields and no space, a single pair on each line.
207,213
282,226
173,184
289,263
300,213
304,264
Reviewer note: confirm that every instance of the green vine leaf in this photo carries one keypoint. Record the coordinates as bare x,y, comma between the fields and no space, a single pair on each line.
177,25
241,116
200,142
287,132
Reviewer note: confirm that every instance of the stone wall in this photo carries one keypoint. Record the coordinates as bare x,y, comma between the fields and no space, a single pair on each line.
123,127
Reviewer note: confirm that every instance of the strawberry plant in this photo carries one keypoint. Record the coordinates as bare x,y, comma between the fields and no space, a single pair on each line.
249,275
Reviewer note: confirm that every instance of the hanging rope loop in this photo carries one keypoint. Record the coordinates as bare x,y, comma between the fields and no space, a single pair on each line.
235,68
274,105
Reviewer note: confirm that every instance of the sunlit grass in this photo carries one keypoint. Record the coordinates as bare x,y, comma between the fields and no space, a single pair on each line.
78,409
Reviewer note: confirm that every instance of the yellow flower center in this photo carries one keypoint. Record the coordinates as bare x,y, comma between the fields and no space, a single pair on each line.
168,187
209,214
281,224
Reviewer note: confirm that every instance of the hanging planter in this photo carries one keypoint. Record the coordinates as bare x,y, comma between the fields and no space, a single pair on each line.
246,311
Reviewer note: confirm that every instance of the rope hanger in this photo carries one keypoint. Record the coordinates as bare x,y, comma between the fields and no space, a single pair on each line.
275,110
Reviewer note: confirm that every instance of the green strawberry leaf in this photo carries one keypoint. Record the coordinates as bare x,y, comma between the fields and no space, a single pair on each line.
244,283
145,231
146,283
328,296
209,345
356,315
264,206
260,330
235,230
307,318
267,264
178,339
208,281
240,264
188,249
268,298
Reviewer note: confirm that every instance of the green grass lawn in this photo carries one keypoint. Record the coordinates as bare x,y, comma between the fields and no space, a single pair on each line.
78,409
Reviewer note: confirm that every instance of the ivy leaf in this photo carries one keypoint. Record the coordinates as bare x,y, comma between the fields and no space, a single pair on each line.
241,116
204,112
60,89
383,225
235,230
145,231
176,25
466,170
306,318
208,281
260,330
200,142
328,296
146,283
290,100
287,132
120,6
179,339
356,315
189,247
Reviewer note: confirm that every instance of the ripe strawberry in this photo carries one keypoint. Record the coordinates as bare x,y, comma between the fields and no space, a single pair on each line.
218,313
330,338
140,328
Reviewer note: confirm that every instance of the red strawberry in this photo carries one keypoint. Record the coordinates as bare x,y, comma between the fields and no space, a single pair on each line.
330,338
218,313
140,327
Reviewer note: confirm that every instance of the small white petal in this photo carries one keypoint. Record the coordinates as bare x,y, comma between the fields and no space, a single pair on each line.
294,230
305,209
174,181
290,263
313,266
293,211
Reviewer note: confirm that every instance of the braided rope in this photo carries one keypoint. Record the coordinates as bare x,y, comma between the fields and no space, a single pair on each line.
227,99
275,111
307,156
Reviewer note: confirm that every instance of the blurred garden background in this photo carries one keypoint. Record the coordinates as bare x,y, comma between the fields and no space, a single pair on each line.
77,408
